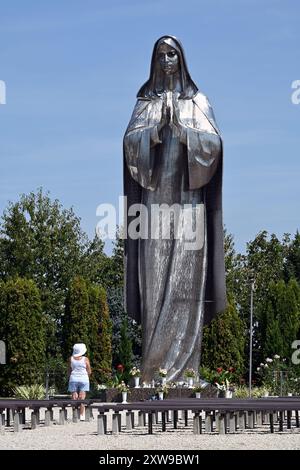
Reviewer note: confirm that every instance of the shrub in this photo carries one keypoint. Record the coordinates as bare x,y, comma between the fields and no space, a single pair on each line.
29,392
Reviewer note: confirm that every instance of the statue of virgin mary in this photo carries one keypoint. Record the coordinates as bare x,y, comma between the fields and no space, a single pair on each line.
173,158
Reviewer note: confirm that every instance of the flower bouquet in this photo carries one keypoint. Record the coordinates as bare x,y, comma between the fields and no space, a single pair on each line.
190,374
198,389
124,389
162,391
223,379
136,374
162,372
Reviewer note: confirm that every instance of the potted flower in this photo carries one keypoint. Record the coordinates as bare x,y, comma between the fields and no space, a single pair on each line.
190,374
162,391
124,389
223,379
136,374
198,389
163,374
225,389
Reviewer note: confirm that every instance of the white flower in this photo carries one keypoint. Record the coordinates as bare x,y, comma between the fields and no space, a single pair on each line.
190,373
221,387
266,366
261,364
269,359
135,372
276,356
258,369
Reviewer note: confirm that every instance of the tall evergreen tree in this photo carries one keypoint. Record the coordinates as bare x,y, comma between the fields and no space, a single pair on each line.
22,328
289,314
280,318
224,341
100,334
292,267
125,352
270,333
76,320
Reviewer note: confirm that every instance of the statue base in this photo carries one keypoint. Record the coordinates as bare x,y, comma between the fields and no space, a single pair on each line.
141,394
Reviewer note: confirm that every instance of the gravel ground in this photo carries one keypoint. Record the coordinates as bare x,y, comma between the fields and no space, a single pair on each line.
83,435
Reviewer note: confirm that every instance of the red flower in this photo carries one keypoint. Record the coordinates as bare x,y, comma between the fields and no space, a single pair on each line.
219,370
120,368
231,369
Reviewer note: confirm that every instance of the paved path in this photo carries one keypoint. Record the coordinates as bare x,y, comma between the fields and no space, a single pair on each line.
83,436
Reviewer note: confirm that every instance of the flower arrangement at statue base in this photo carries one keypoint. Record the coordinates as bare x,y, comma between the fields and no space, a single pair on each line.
190,374
124,389
223,379
136,374
198,389
225,389
163,374
162,391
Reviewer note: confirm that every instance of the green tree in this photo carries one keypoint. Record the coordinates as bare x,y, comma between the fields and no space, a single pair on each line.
223,341
42,241
117,314
100,334
23,329
76,319
232,264
118,259
273,343
125,352
263,263
289,315
280,318
292,267
95,264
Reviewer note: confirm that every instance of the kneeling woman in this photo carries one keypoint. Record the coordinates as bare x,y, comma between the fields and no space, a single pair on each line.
80,370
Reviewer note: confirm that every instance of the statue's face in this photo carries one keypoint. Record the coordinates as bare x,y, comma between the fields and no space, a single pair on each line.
168,59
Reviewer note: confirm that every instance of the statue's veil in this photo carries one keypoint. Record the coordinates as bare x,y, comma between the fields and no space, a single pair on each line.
153,86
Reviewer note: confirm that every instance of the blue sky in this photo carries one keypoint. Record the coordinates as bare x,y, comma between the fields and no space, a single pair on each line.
72,69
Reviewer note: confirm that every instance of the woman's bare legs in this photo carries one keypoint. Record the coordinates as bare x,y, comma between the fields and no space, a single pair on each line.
82,396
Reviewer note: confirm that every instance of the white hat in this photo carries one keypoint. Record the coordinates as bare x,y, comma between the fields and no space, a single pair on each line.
79,349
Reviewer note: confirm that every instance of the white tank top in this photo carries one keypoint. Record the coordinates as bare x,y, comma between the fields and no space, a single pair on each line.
79,372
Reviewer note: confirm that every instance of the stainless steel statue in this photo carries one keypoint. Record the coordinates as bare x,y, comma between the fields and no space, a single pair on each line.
173,157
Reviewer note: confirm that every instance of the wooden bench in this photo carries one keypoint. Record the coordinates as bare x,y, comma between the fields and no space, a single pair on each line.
15,411
221,415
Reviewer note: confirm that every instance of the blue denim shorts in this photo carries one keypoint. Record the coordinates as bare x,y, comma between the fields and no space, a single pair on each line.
79,387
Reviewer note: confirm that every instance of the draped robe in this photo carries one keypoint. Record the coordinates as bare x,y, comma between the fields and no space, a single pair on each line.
173,290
